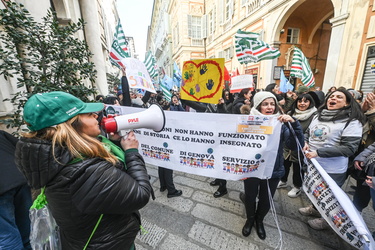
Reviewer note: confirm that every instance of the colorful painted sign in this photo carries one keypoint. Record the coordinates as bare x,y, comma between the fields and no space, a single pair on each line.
202,80
137,74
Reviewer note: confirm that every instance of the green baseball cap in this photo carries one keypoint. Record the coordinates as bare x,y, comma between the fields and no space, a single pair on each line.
52,108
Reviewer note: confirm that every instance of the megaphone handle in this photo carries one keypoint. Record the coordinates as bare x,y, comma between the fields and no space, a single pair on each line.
124,133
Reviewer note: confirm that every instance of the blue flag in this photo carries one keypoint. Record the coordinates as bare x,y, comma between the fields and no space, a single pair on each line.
285,85
168,82
177,75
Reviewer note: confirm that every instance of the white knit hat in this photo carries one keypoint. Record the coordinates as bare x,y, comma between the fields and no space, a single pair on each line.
261,96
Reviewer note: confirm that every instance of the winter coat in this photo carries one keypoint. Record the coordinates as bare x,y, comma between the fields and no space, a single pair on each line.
174,107
80,192
287,139
363,156
237,104
225,108
10,176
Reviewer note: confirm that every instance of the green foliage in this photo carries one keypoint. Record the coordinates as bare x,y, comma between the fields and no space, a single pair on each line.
43,56
113,82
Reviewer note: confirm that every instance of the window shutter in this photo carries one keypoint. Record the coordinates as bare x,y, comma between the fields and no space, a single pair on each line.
231,50
213,19
204,26
189,26
221,10
221,54
231,7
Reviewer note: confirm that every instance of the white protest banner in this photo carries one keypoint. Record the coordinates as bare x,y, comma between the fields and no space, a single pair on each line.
137,75
241,82
336,207
209,145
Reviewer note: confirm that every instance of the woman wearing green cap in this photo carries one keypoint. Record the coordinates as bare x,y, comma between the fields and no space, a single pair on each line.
84,175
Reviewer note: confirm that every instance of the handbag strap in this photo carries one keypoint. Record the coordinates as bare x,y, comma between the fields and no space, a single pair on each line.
93,231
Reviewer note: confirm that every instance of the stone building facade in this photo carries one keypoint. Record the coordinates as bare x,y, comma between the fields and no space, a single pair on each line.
331,34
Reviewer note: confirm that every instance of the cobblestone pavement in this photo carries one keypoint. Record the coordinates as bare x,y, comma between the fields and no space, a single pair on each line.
197,220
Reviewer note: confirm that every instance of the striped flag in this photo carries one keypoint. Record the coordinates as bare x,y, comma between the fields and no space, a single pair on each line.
150,63
300,68
249,49
167,94
119,49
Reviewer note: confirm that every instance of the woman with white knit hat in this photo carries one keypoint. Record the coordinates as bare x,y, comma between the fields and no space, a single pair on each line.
265,103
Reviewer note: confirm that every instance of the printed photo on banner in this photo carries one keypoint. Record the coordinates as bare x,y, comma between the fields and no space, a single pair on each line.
336,207
202,80
137,75
241,82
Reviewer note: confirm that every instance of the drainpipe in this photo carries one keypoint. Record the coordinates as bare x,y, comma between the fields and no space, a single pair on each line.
204,40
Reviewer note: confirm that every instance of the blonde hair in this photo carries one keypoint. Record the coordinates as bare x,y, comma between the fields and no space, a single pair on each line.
68,135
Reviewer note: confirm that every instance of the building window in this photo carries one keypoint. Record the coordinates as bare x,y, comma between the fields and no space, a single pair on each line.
195,27
211,22
292,36
227,53
228,10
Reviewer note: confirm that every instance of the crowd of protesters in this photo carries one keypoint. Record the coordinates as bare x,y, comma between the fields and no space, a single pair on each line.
346,112
350,144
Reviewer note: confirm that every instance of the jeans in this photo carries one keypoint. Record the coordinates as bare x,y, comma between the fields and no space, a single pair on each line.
372,192
362,196
14,219
297,175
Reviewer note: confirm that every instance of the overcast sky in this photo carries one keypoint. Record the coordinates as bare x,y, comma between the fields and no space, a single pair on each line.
135,16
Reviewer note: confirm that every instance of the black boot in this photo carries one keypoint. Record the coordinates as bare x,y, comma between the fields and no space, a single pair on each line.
222,190
260,228
215,182
246,230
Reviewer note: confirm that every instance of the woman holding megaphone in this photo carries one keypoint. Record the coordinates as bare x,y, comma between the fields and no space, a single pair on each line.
94,188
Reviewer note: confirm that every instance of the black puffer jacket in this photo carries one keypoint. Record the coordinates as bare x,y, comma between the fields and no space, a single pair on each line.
79,193
237,104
